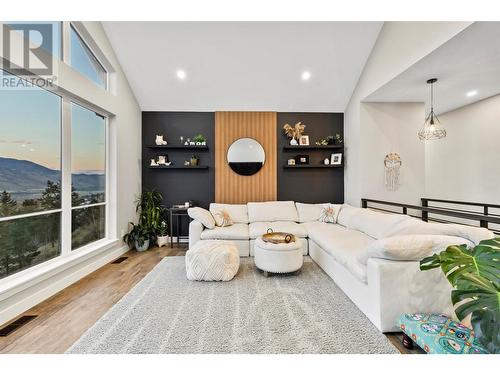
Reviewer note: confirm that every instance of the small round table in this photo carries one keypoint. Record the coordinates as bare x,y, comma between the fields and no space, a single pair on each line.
278,258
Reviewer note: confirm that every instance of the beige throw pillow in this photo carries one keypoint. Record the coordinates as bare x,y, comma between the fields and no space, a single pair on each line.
222,219
329,213
203,216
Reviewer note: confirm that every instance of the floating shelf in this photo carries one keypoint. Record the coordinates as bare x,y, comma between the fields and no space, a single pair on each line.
313,147
313,166
179,167
179,147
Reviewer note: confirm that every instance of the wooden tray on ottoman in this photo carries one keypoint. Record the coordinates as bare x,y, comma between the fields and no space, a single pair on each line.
278,237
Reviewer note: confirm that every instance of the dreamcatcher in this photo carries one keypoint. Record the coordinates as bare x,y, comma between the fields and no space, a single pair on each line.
392,164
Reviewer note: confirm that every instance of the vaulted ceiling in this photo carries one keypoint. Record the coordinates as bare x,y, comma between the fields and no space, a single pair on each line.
254,66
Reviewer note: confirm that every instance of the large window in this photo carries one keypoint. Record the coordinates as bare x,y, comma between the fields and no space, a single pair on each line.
83,60
88,167
30,178
33,187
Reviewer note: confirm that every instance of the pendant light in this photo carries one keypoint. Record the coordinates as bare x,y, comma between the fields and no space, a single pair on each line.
432,127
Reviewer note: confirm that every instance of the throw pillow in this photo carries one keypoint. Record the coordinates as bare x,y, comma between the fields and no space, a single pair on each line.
222,219
329,214
409,247
203,216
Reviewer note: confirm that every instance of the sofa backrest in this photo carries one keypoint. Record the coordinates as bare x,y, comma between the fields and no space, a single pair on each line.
272,211
237,212
375,224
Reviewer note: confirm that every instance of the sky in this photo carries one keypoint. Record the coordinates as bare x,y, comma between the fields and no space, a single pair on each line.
30,129
30,119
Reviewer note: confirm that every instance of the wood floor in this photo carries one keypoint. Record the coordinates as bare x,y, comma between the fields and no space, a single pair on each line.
63,318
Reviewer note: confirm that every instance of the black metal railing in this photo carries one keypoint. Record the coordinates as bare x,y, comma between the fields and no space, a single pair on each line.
483,219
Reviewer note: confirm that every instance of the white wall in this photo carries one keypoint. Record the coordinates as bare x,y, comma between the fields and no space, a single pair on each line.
465,166
125,179
399,45
392,127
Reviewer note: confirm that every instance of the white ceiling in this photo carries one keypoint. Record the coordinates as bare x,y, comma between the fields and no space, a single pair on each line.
467,62
253,66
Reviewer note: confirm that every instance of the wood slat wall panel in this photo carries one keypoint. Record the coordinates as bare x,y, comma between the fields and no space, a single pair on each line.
231,187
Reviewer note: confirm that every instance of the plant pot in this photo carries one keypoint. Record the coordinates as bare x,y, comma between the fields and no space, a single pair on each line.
144,246
162,240
193,162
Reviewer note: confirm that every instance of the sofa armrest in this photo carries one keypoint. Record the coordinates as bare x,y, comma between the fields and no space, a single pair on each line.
195,229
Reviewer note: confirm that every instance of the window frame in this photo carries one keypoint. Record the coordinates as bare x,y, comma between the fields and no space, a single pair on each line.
97,55
67,256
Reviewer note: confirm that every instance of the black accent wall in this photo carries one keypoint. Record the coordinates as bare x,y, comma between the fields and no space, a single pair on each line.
179,185
310,185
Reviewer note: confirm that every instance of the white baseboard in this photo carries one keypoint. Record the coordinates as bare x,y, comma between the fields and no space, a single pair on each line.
33,295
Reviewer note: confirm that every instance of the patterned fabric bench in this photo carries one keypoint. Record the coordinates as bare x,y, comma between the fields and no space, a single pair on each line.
438,334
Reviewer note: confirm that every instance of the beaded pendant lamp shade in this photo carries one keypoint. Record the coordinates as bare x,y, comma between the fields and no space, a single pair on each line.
432,127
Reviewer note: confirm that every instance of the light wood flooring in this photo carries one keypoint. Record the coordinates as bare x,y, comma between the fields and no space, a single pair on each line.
63,318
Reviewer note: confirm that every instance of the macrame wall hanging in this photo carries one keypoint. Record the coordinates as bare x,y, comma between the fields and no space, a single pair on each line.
392,164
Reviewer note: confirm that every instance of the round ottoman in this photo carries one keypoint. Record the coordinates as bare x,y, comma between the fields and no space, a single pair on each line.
212,261
277,258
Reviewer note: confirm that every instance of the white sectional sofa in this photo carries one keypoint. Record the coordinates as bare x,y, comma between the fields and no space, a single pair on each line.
372,256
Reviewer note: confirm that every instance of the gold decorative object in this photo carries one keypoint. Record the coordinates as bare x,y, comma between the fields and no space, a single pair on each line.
278,237
294,132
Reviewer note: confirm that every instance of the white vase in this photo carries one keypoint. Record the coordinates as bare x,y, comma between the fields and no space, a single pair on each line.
162,240
293,142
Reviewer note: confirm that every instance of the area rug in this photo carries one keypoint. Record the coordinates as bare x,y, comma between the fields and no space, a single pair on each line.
166,313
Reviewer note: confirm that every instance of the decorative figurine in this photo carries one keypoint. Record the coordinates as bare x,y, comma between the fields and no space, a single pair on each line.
162,160
326,161
160,141
153,163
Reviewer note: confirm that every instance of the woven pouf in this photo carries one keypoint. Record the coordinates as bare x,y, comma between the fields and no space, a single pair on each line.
212,261
278,258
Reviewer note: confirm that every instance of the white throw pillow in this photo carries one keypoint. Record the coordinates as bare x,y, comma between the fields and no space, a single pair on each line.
470,233
329,213
272,211
376,224
410,247
237,212
222,219
309,211
346,215
203,216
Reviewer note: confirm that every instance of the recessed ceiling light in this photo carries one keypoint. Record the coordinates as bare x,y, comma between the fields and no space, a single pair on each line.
181,74
471,93
306,75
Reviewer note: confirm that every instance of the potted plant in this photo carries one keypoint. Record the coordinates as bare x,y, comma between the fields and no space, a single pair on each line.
162,237
137,237
200,140
151,210
338,139
475,276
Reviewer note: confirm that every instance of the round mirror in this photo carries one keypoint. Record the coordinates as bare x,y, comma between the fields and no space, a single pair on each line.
246,156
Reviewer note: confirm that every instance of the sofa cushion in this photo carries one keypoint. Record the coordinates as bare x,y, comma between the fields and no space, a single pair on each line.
473,234
237,212
346,215
344,245
202,216
409,247
375,224
238,231
272,211
259,228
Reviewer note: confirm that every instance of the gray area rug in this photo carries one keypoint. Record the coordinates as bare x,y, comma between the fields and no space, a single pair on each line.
166,313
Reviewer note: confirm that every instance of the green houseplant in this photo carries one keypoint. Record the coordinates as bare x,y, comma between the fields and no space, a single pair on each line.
138,237
475,276
200,139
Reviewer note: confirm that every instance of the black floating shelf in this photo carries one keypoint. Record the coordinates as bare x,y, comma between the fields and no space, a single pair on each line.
313,166
179,147
313,147
179,167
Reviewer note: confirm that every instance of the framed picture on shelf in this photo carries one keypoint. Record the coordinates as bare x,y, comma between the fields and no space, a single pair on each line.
302,159
336,159
304,140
